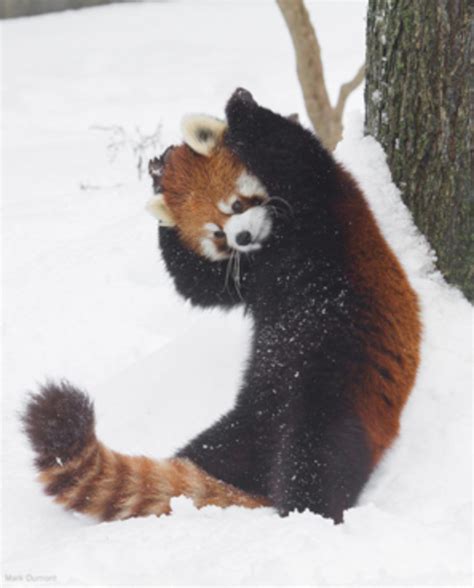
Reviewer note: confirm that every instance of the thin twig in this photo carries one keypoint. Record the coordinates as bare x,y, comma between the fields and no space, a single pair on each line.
347,89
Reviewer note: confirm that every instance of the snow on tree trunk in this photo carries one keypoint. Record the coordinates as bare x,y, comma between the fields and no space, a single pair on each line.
418,107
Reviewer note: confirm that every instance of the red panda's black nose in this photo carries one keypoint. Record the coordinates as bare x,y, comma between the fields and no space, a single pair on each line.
243,238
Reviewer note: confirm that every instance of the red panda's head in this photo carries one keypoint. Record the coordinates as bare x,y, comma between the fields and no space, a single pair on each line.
203,190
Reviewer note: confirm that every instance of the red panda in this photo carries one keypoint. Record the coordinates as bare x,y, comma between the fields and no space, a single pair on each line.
255,212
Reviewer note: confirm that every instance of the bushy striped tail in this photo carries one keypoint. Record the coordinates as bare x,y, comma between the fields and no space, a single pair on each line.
85,476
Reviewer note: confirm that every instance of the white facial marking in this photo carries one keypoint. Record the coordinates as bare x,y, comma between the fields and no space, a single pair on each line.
226,207
248,186
211,227
210,250
256,221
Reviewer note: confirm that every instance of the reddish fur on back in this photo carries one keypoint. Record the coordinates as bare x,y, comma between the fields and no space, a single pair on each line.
392,325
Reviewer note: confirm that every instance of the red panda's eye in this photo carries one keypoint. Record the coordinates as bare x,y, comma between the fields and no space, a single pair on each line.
219,234
237,207
256,201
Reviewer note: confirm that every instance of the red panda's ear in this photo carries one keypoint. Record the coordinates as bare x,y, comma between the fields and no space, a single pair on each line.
157,207
202,132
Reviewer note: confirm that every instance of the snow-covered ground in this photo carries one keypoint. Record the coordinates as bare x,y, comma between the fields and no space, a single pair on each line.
86,296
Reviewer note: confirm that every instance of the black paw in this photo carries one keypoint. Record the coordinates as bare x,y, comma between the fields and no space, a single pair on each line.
240,106
156,167
244,96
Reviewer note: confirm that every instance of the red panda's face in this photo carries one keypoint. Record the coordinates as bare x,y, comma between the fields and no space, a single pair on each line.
205,191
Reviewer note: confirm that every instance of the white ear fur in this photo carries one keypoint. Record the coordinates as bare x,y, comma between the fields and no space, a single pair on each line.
202,132
156,206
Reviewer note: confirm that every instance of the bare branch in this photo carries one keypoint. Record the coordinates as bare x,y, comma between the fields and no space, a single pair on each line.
347,89
141,145
309,64
326,120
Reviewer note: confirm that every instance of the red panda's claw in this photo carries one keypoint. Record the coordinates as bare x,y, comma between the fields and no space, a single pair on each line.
154,167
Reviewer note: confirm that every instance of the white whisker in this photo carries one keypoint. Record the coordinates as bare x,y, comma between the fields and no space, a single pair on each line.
282,200
237,274
228,271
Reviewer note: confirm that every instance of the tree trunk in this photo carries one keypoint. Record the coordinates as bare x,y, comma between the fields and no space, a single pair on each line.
418,81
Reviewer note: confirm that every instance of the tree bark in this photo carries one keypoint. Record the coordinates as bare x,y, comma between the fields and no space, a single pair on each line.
418,84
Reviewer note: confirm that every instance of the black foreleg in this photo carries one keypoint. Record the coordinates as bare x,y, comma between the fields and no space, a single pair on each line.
203,282
287,158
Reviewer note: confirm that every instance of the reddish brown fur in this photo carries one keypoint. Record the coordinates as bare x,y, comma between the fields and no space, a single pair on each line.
193,185
393,328
108,485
